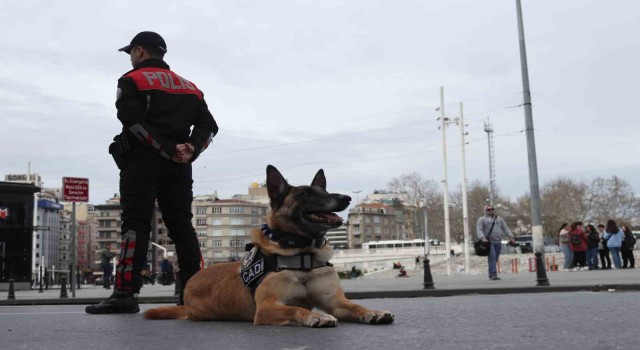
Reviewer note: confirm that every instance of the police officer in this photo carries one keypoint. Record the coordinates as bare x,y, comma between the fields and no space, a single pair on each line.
166,125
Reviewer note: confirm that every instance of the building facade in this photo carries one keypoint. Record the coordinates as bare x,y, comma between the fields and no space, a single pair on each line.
372,222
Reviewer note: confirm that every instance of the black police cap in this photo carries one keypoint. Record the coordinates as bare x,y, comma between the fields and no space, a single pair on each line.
151,39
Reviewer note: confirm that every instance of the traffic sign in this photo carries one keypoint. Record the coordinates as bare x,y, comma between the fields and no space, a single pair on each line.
75,189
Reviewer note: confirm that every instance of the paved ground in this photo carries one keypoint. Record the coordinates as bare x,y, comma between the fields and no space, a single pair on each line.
576,320
393,287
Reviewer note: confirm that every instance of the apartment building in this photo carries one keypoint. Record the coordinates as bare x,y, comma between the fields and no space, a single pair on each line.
224,226
338,237
373,222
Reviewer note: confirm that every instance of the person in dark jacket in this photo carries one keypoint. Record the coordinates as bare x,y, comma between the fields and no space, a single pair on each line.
593,240
166,125
626,250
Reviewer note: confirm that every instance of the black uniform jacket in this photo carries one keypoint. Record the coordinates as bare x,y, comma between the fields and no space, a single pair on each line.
158,107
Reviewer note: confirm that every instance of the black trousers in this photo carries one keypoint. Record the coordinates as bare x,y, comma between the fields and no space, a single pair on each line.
579,258
604,255
628,260
144,178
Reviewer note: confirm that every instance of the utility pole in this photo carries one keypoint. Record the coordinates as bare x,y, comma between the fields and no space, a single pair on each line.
465,211
536,217
488,128
445,182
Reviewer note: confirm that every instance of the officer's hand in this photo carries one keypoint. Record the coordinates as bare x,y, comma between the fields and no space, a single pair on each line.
184,152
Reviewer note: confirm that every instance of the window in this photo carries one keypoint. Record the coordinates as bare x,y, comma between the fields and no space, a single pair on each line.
377,229
237,232
264,211
217,221
217,255
376,219
236,210
367,230
217,210
254,221
367,219
201,210
203,244
201,222
356,231
237,243
217,243
217,233
202,233
237,221
254,211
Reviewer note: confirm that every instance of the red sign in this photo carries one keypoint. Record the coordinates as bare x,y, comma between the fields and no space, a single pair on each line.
75,189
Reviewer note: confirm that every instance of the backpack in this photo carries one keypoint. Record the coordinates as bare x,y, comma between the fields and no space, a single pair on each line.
630,241
575,239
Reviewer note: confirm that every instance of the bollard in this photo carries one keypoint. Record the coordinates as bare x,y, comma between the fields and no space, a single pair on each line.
63,288
40,289
541,274
12,292
530,266
428,279
547,259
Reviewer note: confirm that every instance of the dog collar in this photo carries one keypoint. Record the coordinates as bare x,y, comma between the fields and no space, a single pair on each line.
286,240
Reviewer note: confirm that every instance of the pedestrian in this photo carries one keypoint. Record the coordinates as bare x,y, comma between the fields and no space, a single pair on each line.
628,260
563,238
614,237
354,272
105,264
593,240
166,126
166,270
491,228
603,251
417,262
578,244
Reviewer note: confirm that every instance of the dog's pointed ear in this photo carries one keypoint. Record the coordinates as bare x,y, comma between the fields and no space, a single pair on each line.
277,186
319,180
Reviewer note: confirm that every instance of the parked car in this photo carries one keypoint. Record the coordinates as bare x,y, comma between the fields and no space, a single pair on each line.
525,242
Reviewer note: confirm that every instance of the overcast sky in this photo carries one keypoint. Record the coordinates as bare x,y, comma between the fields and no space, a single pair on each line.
348,86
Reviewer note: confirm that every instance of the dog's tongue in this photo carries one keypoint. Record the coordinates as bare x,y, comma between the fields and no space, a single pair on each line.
329,216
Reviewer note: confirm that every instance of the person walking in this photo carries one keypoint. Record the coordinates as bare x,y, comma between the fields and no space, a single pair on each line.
563,238
603,251
166,125
628,260
491,228
593,240
614,237
105,264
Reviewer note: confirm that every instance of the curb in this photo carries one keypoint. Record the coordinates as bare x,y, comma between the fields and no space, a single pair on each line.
418,293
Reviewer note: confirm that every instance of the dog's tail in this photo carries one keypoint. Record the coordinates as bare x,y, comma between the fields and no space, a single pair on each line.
166,312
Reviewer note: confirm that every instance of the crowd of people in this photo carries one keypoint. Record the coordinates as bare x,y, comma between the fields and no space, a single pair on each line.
582,246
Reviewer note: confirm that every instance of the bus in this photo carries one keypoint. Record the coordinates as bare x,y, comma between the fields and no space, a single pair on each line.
393,244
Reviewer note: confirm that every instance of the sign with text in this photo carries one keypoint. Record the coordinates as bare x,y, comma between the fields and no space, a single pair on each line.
75,189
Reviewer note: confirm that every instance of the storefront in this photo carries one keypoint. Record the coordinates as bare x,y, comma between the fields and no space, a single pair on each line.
16,234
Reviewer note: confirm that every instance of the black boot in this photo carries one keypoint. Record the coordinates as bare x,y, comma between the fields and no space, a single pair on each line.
118,303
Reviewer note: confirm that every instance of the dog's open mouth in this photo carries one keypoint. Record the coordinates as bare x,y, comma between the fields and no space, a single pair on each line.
323,217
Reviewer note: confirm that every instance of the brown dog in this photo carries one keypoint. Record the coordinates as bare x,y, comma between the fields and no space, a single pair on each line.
287,272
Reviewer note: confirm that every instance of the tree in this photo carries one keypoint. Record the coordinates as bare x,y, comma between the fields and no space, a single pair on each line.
417,195
613,199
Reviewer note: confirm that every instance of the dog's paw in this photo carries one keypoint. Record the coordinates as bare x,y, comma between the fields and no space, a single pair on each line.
377,317
316,320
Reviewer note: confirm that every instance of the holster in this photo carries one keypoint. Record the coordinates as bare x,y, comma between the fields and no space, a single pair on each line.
120,149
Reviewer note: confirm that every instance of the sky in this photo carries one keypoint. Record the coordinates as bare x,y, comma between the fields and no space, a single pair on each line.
348,86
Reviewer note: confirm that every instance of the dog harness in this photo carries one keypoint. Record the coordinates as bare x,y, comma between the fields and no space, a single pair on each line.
256,265
286,240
